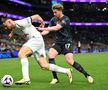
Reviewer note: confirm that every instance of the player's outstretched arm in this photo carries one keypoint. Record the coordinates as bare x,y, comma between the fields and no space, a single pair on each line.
39,18
52,28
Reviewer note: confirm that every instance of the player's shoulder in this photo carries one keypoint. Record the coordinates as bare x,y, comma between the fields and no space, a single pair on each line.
24,19
66,17
53,19
24,22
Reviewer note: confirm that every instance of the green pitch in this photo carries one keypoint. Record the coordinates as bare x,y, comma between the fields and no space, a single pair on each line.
95,63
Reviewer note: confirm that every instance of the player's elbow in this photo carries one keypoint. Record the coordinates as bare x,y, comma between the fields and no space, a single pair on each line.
35,17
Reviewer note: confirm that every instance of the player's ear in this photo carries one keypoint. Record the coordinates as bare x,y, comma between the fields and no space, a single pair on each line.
4,25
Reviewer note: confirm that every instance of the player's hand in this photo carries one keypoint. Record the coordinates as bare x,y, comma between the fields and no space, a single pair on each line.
41,29
44,33
42,25
10,35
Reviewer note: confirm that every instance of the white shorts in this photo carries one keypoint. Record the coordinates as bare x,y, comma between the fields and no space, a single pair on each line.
37,46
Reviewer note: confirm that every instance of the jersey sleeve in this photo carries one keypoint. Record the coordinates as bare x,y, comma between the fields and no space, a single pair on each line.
64,22
24,22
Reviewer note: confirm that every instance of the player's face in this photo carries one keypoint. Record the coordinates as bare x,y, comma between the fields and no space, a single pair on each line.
56,13
9,24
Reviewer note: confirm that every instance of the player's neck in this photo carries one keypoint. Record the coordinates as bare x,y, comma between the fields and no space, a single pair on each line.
61,15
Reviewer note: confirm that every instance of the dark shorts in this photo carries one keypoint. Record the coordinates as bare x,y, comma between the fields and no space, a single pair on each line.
63,47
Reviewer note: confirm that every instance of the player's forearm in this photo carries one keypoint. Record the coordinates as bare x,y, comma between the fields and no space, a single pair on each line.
53,28
40,19
37,17
48,29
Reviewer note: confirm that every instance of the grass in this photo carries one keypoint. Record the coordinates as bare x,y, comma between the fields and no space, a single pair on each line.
95,63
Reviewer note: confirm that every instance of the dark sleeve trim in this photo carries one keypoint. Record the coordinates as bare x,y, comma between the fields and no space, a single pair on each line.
31,19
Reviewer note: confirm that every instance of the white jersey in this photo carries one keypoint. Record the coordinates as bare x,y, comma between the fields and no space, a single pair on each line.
35,41
25,27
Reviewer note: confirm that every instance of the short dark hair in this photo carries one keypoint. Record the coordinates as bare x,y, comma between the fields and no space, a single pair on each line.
4,18
58,7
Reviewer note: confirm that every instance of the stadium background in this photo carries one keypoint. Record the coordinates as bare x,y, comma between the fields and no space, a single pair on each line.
89,27
88,23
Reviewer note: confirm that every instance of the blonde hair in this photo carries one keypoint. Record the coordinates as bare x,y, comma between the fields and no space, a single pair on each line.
58,7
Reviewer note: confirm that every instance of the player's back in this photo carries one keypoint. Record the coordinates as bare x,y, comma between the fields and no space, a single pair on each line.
25,27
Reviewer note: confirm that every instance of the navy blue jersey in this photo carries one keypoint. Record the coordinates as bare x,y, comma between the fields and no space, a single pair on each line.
64,33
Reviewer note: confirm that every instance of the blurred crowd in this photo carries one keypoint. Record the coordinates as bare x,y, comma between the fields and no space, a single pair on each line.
84,40
87,38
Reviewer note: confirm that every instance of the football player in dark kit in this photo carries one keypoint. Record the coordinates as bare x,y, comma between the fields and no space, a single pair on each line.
63,41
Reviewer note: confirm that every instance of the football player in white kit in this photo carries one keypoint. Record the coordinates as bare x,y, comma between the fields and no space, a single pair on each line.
34,45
